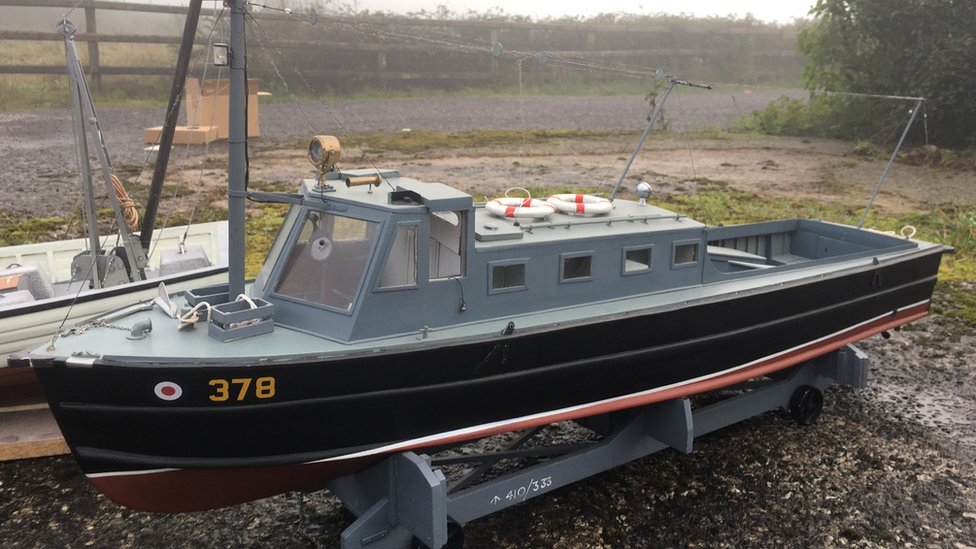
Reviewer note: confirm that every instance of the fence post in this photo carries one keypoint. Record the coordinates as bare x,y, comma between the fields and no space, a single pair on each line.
492,38
91,28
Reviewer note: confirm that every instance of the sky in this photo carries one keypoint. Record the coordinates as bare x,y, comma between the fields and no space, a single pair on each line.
773,11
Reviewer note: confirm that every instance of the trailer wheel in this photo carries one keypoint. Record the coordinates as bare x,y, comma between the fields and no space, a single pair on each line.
806,404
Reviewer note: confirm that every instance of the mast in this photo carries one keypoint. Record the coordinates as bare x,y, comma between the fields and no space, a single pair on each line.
169,125
237,149
134,254
672,82
894,154
67,30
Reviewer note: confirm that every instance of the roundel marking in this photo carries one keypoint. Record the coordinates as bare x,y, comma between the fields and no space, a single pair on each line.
167,390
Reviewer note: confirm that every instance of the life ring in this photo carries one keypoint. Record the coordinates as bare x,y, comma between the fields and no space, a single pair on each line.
580,204
520,208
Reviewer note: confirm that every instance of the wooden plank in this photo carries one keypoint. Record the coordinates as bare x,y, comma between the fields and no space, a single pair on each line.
28,432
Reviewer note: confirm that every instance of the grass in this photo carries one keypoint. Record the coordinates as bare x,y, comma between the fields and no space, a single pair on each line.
22,229
262,227
51,91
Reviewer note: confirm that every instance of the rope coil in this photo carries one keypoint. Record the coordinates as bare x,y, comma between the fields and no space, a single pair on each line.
129,211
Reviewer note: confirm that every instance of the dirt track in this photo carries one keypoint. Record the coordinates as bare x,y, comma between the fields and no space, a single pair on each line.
891,466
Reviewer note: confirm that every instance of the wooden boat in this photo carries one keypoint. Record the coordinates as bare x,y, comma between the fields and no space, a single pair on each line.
393,314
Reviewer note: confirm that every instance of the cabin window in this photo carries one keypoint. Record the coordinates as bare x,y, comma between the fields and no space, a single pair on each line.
328,260
575,267
685,254
446,244
637,259
400,270
275,251
506,276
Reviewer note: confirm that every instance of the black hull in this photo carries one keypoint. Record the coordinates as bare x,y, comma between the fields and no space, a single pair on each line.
332,416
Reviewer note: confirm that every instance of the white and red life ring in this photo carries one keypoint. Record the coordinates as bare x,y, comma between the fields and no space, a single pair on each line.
580,204
520,208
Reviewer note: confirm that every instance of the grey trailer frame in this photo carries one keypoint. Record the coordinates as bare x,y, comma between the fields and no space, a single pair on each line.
407,498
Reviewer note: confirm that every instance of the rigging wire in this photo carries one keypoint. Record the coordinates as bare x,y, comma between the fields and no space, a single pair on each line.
684,131
522,130
318,99
73,8
450,42
572,63
566,61
201,59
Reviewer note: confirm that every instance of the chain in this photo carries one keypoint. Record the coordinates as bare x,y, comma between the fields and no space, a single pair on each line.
78,330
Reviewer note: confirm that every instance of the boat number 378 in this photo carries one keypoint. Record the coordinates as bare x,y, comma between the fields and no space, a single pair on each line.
241,388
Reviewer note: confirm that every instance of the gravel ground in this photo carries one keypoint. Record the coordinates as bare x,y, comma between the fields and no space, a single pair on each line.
890,466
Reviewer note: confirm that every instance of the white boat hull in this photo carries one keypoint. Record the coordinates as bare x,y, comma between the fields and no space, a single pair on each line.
28,323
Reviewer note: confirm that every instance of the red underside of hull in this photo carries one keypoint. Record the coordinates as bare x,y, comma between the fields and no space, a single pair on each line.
184,490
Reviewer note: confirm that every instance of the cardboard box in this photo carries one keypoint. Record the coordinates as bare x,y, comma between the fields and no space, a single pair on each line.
207,117
183,135
208,106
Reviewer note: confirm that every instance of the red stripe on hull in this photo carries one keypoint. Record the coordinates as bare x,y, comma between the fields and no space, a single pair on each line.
184,490
187,490
781,362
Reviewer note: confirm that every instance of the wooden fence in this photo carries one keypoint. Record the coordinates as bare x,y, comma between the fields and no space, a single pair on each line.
341,50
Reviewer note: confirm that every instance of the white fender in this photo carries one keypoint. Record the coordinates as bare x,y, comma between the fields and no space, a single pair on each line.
580,204
520,208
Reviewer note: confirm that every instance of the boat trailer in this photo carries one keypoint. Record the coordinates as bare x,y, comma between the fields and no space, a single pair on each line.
407,501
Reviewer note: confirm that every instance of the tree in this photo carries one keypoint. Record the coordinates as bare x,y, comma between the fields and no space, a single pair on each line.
921,48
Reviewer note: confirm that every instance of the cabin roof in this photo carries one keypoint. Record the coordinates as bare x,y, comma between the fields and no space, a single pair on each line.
627,217
393,193
398,193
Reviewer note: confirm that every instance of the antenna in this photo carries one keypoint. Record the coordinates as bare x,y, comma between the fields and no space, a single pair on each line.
672,82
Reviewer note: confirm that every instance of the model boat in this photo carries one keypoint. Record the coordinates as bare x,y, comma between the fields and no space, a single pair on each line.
393,314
